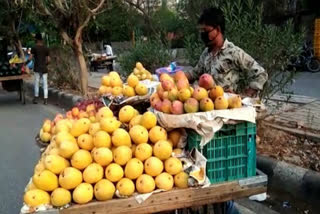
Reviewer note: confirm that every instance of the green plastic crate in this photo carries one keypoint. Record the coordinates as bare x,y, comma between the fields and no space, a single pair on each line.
231,154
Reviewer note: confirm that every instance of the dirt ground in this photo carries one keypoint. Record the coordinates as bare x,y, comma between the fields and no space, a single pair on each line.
286,147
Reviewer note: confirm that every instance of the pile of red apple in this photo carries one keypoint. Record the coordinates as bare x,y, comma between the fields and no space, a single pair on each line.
85,109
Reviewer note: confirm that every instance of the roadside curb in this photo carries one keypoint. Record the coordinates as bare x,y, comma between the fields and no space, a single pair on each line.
297,181
55,96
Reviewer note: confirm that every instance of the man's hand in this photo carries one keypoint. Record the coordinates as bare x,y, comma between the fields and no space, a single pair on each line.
251,92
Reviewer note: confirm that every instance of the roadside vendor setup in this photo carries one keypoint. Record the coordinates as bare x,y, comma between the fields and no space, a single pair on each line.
12,78
100,61
147,146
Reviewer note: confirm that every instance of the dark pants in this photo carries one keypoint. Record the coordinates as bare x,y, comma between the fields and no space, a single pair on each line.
231,208
225,208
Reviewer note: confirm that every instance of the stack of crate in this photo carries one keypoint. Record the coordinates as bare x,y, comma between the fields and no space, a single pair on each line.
316,42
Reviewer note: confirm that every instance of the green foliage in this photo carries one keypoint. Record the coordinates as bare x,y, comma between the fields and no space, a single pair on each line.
115,23
151,53
166,20
194,47
12,15
191,10
26,22
270,45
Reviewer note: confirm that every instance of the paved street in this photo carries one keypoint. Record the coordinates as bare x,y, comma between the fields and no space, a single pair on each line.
307,84
18,126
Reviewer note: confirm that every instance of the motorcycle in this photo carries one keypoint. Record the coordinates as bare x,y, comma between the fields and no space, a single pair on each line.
306,61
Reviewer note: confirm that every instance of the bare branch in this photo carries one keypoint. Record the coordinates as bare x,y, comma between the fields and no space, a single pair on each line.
137,6
95,10
42,9
78,36
59,5
80,29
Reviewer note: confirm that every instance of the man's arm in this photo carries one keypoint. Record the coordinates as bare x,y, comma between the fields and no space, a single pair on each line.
256,73
195,73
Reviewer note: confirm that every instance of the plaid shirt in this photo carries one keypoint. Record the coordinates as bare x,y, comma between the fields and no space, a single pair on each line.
227,67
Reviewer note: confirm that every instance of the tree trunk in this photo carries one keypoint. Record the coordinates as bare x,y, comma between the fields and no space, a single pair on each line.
83,75
17,41
19,48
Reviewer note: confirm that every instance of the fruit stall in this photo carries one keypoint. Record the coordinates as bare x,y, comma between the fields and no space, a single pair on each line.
98,61
12,77
193,146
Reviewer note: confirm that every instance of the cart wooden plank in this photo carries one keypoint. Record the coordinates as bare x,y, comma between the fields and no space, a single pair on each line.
174,199
104,58
16,77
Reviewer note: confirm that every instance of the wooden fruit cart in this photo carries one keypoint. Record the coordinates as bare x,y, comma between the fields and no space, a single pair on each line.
101,62
175,199
20,87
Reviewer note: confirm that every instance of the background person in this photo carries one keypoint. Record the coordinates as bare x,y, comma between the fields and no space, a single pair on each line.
40,54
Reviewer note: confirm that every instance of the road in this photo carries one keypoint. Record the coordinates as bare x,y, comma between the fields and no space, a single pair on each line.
307,84
19,126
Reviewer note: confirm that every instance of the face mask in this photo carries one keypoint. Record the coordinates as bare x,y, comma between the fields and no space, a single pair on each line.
205,38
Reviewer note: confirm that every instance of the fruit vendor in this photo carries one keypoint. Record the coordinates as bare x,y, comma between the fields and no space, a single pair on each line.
226,62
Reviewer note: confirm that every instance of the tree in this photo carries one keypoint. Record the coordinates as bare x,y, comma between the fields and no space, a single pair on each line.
11,15
116,23
146,8
71,17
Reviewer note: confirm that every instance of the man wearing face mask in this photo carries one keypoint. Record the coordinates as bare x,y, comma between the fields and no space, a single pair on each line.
226,62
